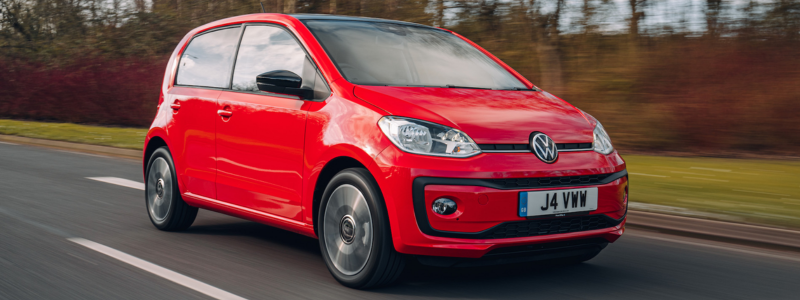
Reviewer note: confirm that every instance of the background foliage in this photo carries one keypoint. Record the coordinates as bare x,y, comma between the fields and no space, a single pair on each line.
714,76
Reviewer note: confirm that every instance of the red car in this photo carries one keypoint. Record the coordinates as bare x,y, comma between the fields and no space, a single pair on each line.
385,140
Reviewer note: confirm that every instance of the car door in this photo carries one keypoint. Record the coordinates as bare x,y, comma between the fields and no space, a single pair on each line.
260,135
203,71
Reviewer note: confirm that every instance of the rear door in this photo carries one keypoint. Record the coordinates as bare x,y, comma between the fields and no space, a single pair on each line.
260,135
204,70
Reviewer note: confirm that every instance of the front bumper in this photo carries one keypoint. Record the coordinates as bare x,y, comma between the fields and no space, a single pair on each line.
487,218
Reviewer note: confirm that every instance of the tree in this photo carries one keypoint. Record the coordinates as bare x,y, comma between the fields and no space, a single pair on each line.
636,16
545,34
439,16
713,9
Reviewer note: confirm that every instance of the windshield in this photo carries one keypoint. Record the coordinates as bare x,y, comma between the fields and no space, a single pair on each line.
376,53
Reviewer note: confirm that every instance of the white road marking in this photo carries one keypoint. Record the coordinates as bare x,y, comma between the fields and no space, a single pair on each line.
709,179
643,174
757,192
728,248
157,270
81,153
120,181
7,143
710,169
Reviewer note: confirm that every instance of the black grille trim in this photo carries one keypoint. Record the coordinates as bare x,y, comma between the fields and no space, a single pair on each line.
574,146
550,226
516,183
505,146
421,214
527,147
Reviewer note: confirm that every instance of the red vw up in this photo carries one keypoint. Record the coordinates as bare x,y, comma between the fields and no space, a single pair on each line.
385,140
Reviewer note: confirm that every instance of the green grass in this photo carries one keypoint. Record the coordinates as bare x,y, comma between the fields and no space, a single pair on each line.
130,138
742,190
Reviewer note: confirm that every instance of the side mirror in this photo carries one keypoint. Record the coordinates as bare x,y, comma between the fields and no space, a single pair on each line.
283,82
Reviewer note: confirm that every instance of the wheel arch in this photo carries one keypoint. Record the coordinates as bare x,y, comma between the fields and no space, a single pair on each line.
153,143
331,168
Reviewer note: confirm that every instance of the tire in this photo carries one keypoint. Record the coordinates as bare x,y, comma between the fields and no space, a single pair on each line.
165,206
354,235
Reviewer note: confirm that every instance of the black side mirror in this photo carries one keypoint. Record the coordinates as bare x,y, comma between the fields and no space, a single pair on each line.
283,82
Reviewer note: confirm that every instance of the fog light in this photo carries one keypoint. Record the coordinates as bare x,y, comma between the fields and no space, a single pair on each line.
444,206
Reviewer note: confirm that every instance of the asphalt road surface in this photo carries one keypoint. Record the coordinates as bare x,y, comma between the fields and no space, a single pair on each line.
64,236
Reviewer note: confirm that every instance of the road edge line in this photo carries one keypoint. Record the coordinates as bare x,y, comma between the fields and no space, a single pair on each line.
736,233
72,146
157,270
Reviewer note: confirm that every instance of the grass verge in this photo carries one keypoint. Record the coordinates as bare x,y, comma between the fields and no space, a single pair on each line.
129,138
741,190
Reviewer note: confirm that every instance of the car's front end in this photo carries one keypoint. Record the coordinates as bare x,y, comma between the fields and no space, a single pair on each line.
499,200
483,167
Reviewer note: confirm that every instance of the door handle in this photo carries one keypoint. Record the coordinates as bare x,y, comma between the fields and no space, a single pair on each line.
225,113
175,106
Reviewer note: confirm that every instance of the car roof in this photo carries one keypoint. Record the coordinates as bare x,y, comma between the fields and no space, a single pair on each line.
304,17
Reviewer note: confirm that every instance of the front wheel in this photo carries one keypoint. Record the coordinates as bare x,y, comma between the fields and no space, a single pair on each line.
166,208
354,233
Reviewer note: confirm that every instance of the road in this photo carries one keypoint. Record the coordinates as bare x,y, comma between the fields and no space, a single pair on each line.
47,205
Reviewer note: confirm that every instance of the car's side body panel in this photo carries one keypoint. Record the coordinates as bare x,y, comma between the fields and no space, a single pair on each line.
191,132
260,152
339,128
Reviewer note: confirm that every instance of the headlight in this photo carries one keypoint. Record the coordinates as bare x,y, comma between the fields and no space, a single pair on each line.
602,143
421,137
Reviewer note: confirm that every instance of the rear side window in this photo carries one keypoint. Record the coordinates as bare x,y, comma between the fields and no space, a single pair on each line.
208,58
268,48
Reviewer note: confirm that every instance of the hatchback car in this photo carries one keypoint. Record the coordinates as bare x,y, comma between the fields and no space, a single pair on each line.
385,140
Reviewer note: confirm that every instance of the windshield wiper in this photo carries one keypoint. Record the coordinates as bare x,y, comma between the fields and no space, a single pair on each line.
519,89
460,87
464,87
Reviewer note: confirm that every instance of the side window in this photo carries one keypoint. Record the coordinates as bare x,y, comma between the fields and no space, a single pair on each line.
269,48
208,58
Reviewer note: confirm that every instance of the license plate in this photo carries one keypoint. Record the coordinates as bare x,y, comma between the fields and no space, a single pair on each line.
557,202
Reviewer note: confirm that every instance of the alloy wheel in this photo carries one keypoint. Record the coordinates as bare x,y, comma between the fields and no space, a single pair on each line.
159,190
348,229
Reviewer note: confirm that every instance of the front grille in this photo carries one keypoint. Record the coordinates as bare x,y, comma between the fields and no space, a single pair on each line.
549,181
527,147
574,146
505,147
550,226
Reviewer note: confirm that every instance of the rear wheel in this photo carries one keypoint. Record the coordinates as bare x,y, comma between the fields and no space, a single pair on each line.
165,206
354,233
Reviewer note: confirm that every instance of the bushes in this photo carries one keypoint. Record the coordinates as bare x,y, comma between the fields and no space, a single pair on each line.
691,94
86,90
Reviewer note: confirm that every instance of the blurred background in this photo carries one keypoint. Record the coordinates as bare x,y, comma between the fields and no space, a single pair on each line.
700,96
719,76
